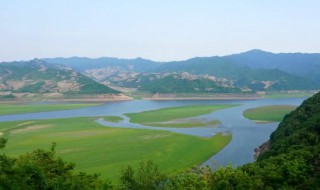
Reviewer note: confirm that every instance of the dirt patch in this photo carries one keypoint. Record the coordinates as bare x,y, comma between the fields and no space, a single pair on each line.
31,128
53,95
1,134
266,84
65,86
17,84
42,68
263,121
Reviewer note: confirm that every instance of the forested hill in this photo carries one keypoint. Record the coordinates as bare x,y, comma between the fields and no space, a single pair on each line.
298,133
301,64
292,158
241,76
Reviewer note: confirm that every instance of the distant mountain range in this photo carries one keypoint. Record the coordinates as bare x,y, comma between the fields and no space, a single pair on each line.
83,64
301,64
251,71
37,76
247,72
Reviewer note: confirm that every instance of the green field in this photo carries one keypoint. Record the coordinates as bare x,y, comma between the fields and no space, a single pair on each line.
160,116
6,109
192,123
98,149
273,113
288,95
114,119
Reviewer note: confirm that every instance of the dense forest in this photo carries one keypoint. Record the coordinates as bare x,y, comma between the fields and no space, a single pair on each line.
290,160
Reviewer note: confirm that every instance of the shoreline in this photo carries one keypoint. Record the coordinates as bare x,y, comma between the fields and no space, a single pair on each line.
203,98
88,100
96,98
221,96
116,98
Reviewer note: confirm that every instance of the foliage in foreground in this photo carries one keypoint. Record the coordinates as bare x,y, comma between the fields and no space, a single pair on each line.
41,169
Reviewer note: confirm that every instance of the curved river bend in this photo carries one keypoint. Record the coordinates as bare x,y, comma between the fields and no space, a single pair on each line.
246,135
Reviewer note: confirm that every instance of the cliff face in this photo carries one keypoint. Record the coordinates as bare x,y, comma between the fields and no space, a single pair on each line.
261,149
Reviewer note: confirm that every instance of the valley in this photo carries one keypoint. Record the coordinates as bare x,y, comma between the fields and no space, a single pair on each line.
159,95
114,141
103,114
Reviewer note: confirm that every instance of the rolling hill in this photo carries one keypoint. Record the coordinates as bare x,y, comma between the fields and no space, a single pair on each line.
36,76
242,76
177,83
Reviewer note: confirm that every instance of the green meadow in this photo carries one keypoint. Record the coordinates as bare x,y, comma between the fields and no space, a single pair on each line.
6,109
161,117
114,119
289,95
184,124
98,149
273,113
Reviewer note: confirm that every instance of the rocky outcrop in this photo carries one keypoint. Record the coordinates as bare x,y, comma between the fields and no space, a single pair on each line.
261,149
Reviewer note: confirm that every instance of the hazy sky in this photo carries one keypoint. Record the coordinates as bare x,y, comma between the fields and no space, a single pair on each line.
155,29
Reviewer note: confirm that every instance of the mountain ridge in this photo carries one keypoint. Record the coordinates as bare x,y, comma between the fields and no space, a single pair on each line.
250,71
37,76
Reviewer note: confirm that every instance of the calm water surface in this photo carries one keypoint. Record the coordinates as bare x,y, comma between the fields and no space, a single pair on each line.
246,135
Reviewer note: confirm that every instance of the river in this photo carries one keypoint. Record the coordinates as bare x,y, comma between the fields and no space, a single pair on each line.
246,135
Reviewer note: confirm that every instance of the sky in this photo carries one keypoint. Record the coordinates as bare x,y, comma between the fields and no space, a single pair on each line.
160,30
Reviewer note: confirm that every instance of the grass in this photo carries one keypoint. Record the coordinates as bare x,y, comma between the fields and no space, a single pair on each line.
104,150
114,119
273,113
192,123
170,114
288,95
6,109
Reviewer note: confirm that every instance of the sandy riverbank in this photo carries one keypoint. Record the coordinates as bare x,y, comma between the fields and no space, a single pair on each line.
204,97
27,97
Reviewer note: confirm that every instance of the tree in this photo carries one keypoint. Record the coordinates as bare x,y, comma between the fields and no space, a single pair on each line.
42,169
147,176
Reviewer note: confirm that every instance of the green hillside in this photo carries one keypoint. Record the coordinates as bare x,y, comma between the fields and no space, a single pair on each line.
174,85
242,76
36,76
